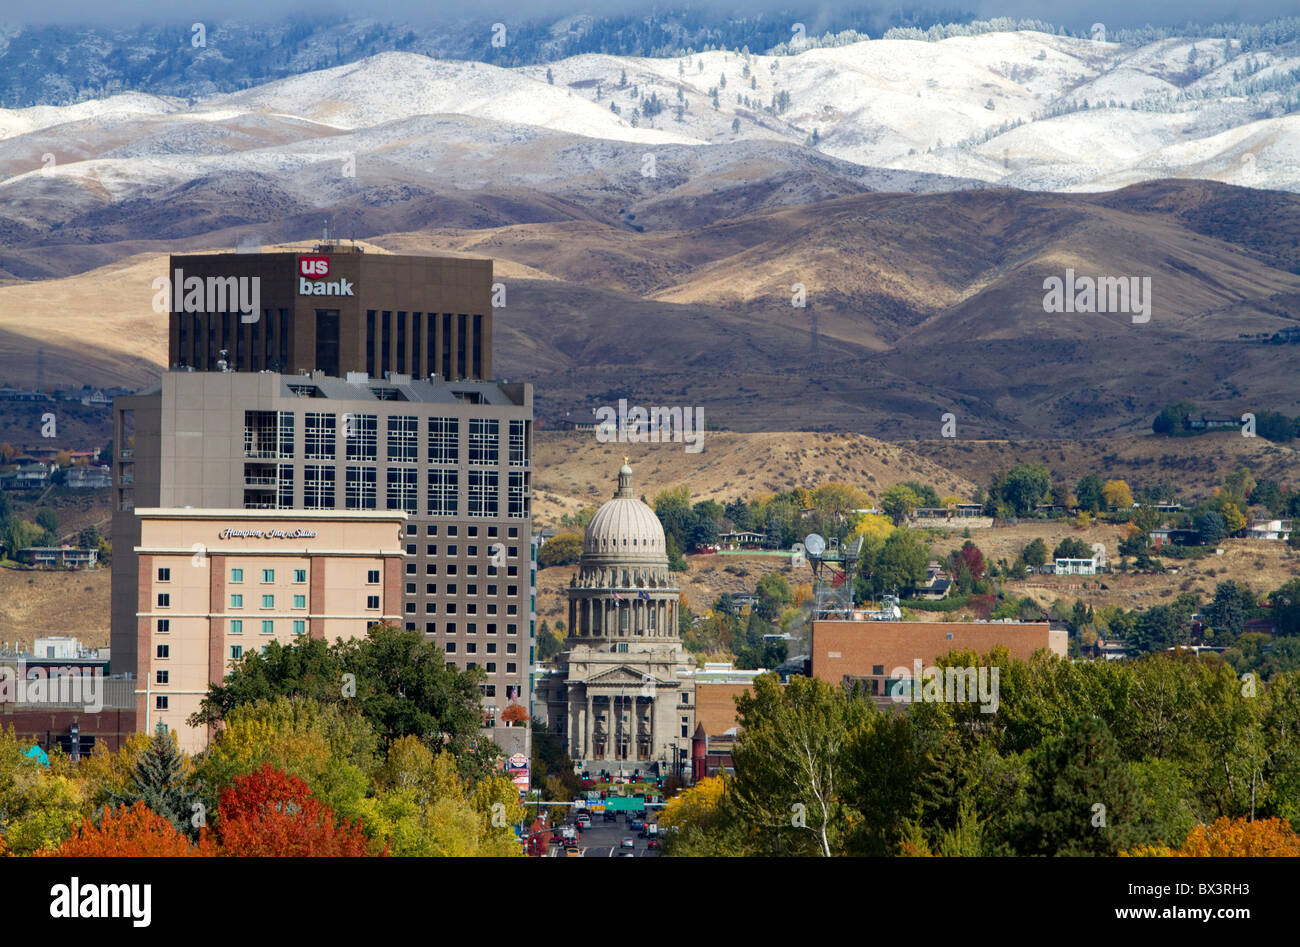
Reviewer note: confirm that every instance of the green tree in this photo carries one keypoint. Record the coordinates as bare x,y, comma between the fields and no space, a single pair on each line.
1082,798
1232,605
1025,486
789,761
899,502
1035,552
549,643
403,686
162,779
774,594
1089,493
1072,548
47,519
1171,419
902,562
562,550
1286,608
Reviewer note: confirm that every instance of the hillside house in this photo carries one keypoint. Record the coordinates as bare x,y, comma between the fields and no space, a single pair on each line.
1081,566
1209,424
742,539
1269,529
1168,536
50,557
89,478
27,477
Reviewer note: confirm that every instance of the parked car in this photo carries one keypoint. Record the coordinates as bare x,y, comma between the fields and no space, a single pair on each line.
628,843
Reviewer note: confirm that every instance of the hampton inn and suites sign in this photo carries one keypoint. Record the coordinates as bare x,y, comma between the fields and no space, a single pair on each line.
234,533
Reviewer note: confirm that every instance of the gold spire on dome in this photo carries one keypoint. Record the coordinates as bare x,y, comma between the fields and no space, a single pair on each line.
624,481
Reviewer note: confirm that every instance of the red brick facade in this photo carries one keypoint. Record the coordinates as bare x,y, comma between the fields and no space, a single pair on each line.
873,649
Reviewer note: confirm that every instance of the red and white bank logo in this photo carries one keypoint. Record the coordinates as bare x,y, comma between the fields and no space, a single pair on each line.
314,266
310,269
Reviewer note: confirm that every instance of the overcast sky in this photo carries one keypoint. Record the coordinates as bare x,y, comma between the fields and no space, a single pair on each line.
1073,14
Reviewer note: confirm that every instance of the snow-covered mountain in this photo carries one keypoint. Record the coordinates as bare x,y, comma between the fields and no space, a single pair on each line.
1000,109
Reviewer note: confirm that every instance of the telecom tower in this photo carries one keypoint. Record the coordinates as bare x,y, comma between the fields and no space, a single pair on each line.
835,569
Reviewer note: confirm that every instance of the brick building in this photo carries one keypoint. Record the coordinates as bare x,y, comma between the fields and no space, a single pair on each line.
871,651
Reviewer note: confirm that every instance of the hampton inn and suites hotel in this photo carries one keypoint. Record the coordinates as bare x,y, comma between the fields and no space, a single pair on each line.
214,584
330,459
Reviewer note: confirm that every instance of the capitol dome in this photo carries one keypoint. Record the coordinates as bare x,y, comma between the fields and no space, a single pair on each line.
625,529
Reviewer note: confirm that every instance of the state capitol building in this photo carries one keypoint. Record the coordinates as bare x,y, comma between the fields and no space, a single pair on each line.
623,690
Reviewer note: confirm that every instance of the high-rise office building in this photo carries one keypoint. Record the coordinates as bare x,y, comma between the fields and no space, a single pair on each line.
452,452
335,310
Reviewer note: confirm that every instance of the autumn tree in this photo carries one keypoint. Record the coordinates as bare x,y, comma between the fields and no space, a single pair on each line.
1231,838
330,748
1117,495
135,832
269,813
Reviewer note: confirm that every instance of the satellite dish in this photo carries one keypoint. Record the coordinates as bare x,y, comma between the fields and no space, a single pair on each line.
814,544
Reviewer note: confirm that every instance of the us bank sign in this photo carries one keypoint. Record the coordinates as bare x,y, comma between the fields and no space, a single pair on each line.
319,266
237,533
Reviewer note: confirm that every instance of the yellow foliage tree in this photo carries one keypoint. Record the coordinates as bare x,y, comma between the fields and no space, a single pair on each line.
1117,495
694,806
802,593
104,774
873,527
1233,517
1231,838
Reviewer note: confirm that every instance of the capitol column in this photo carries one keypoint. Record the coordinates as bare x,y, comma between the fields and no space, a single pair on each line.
589,748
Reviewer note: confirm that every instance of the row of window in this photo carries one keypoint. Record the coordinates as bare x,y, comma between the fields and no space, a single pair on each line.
431,588
431,568
471,647
402,492
361,438
268,601
471,628
452,550
490,667
451,530
268,576
268,626
471,608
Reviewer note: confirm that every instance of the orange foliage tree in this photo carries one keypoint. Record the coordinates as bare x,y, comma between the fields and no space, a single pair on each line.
514,714
268,813
138,832
1232,838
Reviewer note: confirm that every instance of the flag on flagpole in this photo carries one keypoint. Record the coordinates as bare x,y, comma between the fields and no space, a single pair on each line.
617,597
644,595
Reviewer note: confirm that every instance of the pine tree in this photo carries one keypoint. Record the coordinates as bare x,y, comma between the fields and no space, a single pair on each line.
159,780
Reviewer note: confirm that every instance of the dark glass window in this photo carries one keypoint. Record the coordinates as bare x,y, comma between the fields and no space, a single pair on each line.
384,342
370,341
327,341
